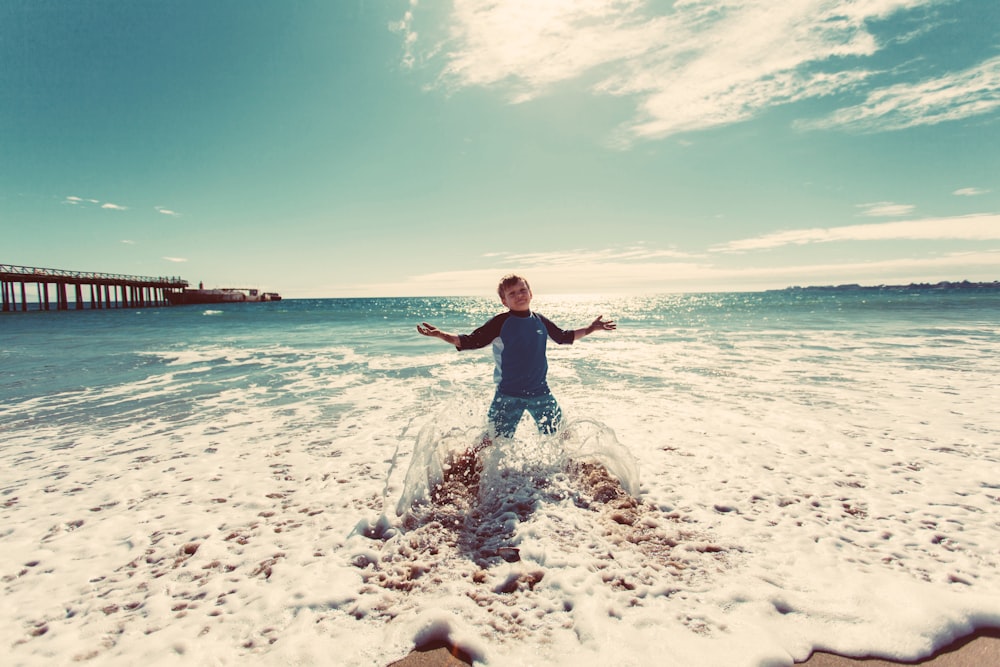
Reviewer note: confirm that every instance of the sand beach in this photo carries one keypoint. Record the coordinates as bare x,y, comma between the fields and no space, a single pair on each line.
980,649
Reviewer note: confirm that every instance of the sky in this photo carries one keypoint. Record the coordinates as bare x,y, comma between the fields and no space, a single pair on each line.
342,148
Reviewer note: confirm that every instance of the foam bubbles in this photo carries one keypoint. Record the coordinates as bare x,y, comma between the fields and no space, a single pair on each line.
808,479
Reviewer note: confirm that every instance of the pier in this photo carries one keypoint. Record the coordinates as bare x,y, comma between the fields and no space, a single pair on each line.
100,290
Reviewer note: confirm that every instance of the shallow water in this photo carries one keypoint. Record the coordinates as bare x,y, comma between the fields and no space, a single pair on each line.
812,470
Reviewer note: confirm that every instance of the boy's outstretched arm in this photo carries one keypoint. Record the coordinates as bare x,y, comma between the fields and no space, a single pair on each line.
600,324
432,331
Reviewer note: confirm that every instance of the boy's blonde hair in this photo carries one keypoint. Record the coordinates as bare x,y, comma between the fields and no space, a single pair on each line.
510,280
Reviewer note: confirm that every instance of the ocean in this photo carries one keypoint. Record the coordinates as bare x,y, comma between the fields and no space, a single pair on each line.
255,483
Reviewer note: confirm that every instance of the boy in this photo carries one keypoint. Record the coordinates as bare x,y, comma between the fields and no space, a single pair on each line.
518,337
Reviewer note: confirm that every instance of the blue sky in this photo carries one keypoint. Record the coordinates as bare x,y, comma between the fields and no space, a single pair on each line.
397,148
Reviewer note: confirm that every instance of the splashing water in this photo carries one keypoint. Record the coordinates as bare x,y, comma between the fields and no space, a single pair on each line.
538,456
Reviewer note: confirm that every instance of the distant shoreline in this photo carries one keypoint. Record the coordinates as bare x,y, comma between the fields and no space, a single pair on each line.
945,285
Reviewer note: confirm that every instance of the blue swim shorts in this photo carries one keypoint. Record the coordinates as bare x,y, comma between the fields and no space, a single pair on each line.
505,412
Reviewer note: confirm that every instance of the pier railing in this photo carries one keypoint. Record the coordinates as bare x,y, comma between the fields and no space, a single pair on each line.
107,290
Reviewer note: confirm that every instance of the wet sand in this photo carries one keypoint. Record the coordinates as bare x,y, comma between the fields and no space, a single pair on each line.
434,656
981,649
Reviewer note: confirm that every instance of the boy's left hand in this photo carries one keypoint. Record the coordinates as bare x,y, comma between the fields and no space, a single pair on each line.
600,324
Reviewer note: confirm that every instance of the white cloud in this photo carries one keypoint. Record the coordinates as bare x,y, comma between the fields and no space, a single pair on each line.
128,242
112,206
77,201
618,255
405,28
568,271
983,265
980,227
695,63
885,209
971,92
568,278
649,277
175,259
980,265
970,192
532,45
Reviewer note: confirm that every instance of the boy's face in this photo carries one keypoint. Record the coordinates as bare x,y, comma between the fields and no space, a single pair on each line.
517,296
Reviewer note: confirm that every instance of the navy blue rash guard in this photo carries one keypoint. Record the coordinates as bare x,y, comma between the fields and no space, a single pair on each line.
519,340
